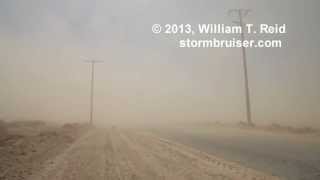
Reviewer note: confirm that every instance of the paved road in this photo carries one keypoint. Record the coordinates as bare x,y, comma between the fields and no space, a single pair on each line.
295,157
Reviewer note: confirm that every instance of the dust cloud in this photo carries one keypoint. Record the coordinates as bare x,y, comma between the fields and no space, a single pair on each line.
145,78
180,110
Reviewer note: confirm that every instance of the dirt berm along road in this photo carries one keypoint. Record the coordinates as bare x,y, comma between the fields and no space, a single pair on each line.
116,154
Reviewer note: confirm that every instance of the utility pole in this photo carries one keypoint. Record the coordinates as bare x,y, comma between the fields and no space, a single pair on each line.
241,13
92,62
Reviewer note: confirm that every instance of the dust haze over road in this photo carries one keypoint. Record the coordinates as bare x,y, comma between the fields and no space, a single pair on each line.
145,77
148,89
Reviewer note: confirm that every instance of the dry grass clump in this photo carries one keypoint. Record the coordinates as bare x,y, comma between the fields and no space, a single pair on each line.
3,130
291,129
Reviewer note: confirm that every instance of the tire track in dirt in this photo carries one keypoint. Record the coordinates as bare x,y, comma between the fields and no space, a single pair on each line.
83,160
112,170
131,163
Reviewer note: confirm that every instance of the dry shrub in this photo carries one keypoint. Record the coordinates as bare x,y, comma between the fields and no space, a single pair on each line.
291,129
3,130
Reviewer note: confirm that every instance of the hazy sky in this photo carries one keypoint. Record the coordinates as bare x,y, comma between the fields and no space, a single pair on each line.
145,77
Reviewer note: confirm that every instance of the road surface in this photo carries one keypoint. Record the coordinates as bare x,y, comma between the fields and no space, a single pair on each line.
295,157
115,154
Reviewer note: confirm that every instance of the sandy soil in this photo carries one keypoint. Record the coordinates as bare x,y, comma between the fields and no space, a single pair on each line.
124,155
26,147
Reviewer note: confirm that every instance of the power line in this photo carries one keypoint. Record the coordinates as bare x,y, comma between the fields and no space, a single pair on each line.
241,13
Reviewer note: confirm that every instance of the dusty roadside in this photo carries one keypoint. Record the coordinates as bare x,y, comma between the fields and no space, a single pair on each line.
26,146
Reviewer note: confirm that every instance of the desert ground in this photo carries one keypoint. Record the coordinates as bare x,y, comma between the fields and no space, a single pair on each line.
294,155
74,151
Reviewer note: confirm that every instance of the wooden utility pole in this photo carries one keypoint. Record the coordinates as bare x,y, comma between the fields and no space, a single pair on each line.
92,62
241,13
